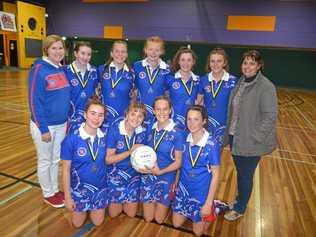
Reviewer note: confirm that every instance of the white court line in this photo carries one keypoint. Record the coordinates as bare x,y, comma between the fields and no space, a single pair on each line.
295,152
15,195
294,160
307,120
303,129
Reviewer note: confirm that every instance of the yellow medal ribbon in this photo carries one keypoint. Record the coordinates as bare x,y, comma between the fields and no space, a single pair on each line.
193,161
93,155
127,141
113,82
214,94
82,82
189,91
151,79
157,143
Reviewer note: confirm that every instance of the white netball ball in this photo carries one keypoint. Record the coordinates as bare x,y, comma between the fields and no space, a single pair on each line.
142,157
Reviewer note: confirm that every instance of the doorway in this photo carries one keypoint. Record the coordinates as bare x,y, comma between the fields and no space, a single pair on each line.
13,53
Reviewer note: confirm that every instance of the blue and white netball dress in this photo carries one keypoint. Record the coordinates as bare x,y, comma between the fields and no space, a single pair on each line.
216,96
88,169
123,180
165,142
195,176
150,83
183,95
116,88
82,88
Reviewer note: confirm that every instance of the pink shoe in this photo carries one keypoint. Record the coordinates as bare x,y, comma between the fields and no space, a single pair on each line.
55,201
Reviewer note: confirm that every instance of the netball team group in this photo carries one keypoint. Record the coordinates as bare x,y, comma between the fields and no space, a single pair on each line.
94,118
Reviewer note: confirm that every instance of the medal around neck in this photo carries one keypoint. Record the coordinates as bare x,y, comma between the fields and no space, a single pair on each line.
142,157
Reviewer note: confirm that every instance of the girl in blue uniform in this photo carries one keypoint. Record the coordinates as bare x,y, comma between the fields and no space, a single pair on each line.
158,182
214,91
199,173
150,74
123,181
183,84
116,82
84,170
83,79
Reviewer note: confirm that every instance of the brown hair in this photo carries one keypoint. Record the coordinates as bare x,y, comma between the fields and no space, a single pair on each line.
110,58
155,39
49,40
136,106
80,44
94,100
219,51
175,61
202,111
254,55
163,97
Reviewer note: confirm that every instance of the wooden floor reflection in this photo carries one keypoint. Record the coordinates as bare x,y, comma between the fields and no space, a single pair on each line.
283,202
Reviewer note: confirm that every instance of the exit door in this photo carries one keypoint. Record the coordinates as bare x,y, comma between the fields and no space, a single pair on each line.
13,53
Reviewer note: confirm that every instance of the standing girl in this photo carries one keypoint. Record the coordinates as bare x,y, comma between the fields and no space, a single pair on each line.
199,174
150,74
183,85
123,181
84,170
116,82
49,102
214,91
83,79
168,144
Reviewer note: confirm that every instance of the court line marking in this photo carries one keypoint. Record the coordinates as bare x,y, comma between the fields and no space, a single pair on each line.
293,160
302,114
303,129
295,152
20,179
15,195
17,180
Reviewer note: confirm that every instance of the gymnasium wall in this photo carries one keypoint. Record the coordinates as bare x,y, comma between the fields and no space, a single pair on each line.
289,68
189,20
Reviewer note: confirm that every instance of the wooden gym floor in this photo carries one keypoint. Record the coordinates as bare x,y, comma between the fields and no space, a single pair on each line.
283,202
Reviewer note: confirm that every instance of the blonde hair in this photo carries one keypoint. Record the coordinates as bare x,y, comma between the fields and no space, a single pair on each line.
110,58
49,40
136,106
155,39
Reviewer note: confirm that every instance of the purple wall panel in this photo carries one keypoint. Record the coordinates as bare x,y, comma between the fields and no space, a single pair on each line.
187,20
